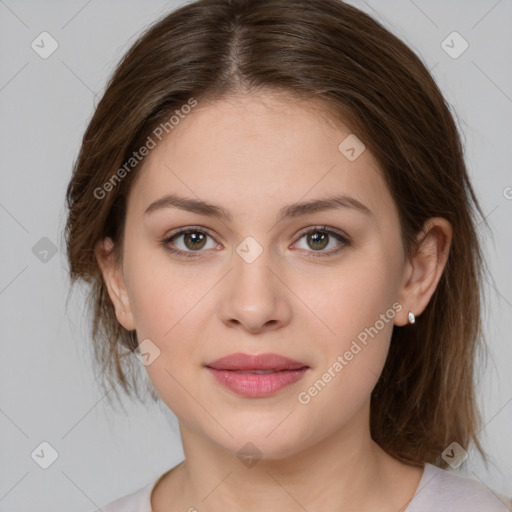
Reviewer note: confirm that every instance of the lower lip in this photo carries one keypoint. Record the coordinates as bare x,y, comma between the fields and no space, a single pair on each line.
257,385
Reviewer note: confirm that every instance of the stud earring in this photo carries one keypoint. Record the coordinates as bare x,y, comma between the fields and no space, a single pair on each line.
412,318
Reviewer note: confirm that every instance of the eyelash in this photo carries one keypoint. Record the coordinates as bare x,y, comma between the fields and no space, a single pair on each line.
192,229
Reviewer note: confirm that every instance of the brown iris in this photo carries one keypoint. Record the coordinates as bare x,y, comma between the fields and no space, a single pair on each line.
196,240
317,237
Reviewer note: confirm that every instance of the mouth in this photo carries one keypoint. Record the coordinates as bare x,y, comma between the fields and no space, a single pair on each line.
256,375
256,372
265,363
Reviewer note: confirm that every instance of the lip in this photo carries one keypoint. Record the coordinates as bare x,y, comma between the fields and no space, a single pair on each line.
280,372
245,362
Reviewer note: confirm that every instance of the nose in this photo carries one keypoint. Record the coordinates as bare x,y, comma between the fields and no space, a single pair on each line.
255,298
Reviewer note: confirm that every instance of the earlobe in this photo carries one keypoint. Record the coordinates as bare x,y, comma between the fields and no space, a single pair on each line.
114,282
425,268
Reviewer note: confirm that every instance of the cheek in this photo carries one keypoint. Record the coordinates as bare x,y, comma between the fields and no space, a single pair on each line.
355,313
160,294
351,360
167,305
352,297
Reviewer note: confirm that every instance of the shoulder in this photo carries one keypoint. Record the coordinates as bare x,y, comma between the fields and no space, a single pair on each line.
445,491
137,501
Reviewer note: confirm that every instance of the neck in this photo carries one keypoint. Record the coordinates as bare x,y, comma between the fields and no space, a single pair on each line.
343,471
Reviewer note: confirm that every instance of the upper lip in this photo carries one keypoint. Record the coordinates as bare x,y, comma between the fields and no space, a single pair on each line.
269,361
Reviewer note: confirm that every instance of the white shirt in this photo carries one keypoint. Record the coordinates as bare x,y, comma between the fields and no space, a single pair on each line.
439,490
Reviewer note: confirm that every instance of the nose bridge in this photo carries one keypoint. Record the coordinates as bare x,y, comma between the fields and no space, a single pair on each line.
255,298
252,276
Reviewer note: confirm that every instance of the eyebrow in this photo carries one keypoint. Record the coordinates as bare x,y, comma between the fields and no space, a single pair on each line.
289,211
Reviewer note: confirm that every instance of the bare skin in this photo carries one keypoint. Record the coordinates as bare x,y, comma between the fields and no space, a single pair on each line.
392,482
252,156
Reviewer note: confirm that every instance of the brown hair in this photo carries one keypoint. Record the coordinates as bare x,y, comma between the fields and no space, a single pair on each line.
332,52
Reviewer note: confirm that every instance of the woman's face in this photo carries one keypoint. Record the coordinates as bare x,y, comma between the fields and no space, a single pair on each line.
266,278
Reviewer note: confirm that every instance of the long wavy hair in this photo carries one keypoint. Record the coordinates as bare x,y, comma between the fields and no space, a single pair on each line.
329,52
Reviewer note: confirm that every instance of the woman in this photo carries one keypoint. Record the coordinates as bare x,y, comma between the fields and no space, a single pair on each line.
273,210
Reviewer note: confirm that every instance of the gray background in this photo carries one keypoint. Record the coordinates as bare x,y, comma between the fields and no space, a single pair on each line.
47,388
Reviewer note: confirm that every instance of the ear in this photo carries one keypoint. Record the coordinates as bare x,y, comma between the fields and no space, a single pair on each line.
424,269
114,281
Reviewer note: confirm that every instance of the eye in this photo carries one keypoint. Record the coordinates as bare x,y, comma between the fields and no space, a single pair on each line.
193,239
320,237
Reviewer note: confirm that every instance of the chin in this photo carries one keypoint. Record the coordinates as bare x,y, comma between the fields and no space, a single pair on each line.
257,444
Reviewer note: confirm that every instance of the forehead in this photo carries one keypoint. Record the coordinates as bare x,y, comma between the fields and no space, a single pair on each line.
264,150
